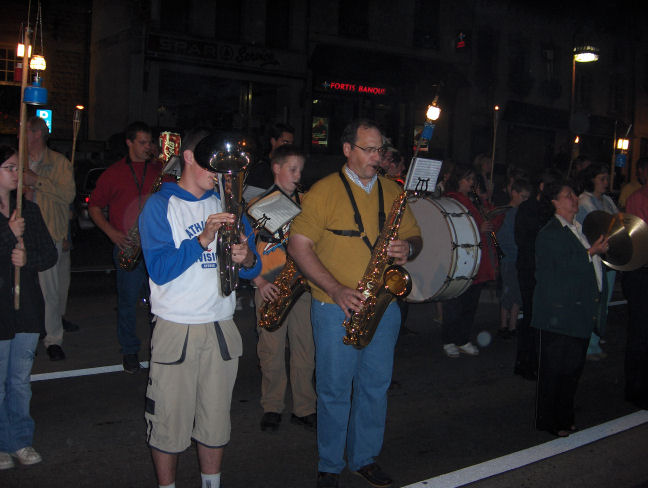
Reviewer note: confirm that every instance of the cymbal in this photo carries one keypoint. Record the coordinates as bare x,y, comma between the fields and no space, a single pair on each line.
628,238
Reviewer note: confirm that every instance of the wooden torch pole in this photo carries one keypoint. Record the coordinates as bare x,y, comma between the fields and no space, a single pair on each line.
495,123
22,153
76,124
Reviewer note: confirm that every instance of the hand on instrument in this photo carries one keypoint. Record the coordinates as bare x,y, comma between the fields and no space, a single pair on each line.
267,290
348,299
19,255
17,225
399,250
486,226
212,224
119,239
601,246
240,254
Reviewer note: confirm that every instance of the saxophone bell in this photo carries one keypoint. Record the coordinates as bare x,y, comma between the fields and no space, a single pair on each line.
381,282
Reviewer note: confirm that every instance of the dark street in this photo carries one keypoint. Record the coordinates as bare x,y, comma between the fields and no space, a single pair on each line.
444,414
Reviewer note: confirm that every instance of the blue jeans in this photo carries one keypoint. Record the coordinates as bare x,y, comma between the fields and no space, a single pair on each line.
129,287
16,359
344,373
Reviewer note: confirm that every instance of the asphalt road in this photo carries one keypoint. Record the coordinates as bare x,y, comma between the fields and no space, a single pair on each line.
444,414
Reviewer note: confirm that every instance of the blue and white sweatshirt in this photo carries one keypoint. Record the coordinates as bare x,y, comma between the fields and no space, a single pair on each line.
184,278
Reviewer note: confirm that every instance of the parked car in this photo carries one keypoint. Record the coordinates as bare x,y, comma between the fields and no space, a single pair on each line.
85,186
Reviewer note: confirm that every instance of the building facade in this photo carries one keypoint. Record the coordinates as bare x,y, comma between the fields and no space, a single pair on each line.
316,65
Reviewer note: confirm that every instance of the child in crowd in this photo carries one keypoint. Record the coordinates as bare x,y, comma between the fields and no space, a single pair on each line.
510,300
287,164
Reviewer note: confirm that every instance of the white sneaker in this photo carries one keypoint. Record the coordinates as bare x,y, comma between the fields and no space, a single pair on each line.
5,461
27,455
451,350
469,348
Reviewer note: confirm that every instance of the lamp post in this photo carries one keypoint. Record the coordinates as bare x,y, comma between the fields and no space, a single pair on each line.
585,53
432,115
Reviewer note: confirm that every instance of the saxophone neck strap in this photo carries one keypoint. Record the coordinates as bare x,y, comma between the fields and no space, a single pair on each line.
356,214
138,184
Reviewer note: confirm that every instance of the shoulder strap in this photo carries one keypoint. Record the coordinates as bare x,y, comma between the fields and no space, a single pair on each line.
356,214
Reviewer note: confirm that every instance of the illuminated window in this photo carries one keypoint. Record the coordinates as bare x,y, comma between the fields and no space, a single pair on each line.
7,63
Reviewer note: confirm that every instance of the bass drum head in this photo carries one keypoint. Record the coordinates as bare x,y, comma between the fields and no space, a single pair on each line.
450,256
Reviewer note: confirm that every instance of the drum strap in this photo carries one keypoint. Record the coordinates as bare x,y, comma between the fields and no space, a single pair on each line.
356,214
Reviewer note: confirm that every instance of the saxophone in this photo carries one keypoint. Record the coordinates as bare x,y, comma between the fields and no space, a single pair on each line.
130,256
291,286
381,282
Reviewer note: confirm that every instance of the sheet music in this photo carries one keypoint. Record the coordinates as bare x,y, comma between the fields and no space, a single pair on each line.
274,211
423,174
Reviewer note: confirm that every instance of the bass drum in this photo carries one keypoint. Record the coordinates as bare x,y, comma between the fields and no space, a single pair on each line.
451,250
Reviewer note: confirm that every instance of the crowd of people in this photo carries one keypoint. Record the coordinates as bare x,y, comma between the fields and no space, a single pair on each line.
531,240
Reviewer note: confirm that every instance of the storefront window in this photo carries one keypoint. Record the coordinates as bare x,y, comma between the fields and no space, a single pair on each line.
7,64
320,132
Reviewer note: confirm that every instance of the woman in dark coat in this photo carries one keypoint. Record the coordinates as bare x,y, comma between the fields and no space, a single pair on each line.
24,243
567,307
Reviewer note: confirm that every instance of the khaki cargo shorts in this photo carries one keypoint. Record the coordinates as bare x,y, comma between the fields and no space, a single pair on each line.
192,373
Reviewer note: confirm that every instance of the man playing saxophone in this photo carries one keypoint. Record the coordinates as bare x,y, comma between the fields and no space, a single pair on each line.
331,241
287,164
124,188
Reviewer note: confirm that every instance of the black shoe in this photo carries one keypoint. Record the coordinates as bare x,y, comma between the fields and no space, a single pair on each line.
327,480
270,421
527,374
131,363
308,422
69,326
55,353
375,476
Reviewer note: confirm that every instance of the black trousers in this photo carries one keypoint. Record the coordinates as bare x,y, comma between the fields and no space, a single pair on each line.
635,289
459,315
562,359
526,360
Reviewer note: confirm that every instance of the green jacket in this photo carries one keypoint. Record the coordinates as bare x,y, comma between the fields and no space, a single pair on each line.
55,192
566,299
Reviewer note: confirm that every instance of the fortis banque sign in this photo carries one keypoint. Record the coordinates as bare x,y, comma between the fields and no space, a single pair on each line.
337,86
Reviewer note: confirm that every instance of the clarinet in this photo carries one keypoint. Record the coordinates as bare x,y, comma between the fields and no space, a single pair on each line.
480,208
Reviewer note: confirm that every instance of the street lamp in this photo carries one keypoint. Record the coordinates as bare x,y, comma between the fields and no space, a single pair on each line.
585,53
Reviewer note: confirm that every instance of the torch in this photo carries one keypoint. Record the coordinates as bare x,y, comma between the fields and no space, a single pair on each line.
76,124
495,123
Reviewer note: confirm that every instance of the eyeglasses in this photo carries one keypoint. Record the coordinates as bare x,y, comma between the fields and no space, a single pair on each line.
372,150
10,167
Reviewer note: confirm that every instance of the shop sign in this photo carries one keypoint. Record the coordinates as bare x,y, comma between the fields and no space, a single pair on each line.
252,56
353,88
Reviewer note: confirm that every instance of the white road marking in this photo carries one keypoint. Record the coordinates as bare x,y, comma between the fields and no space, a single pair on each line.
533,454
81,372
469,474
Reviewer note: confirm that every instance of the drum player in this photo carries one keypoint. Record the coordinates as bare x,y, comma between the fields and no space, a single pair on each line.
459,312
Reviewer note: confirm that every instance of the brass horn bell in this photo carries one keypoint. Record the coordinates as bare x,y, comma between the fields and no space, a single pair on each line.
227,156
225,153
